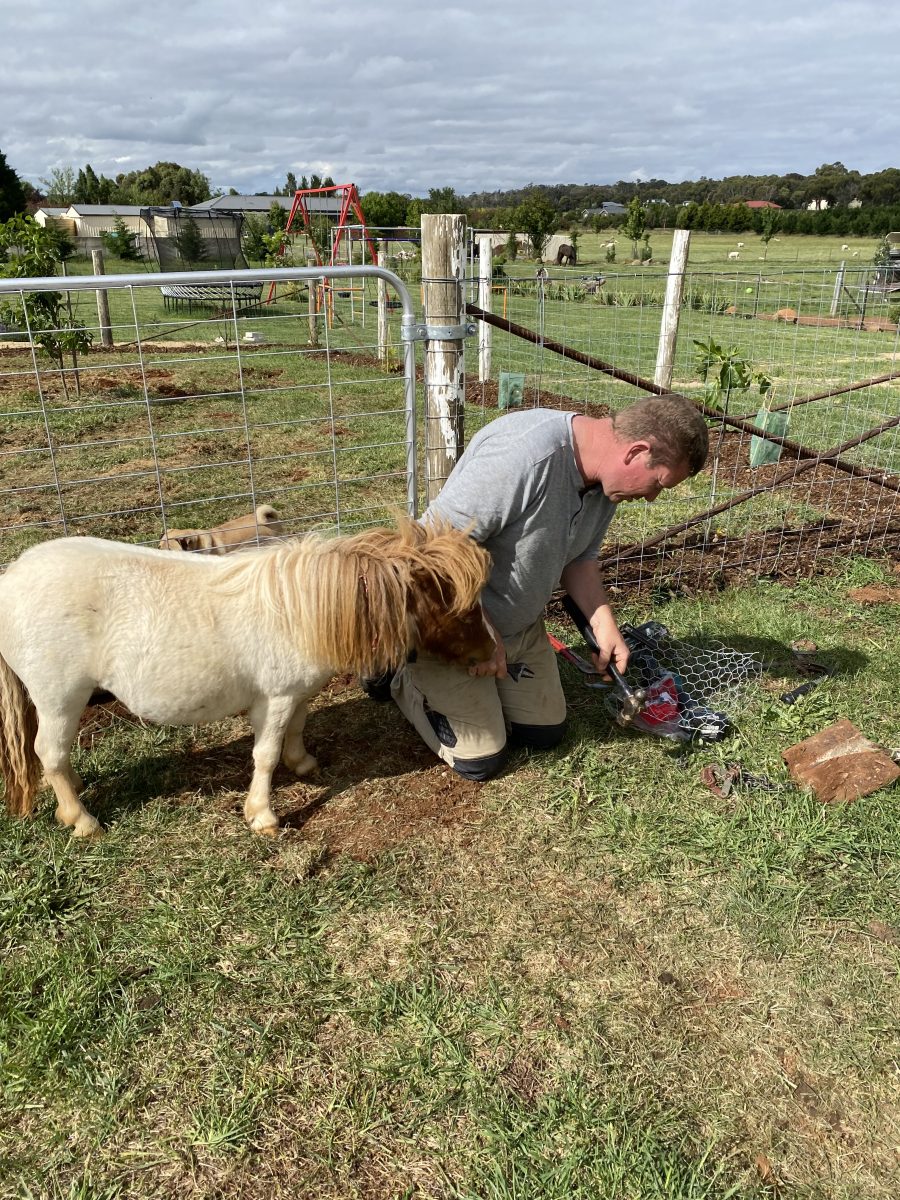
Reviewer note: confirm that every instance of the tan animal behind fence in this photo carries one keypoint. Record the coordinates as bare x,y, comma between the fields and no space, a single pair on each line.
249,530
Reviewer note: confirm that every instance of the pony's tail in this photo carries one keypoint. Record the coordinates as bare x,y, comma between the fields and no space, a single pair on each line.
19,764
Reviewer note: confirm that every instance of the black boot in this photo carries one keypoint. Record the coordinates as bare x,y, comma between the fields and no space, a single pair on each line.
378,687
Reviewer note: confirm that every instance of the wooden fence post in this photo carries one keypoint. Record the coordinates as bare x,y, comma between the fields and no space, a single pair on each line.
313,289
485,280
668,329
443,273
106,335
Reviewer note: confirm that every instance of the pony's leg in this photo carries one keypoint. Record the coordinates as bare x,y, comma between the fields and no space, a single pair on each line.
295,756
269,717
53,746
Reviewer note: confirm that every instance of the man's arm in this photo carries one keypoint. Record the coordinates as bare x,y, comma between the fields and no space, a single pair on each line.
582,581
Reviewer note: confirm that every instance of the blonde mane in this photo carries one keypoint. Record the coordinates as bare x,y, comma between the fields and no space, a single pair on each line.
351,601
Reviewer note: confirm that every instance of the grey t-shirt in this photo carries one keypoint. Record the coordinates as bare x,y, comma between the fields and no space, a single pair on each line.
519,489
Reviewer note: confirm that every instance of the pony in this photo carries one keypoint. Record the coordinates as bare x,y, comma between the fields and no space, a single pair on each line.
235,534
184,639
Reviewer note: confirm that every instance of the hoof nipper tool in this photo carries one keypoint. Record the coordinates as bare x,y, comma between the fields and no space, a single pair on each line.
633,699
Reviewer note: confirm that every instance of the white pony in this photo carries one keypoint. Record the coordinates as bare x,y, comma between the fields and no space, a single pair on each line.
182,639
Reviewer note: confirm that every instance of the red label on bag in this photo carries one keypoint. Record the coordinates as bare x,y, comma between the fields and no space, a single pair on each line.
661,707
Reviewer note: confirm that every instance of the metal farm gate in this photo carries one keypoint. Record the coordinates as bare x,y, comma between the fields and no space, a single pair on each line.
148,402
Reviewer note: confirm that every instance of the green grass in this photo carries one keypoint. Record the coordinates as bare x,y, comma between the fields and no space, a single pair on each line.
600,979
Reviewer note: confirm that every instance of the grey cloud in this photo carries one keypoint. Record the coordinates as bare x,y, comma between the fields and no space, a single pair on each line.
409,97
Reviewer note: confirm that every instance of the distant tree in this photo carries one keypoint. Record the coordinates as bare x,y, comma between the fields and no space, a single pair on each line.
769,225
832,182
12,193
163,183
254,231
34,197
190,242
881,188
290,184
60,187
384,210
121,242
537,219
278,216
93,189
444,200
634,225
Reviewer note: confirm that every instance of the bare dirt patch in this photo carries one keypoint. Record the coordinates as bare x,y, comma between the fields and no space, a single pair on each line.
377,785
875,593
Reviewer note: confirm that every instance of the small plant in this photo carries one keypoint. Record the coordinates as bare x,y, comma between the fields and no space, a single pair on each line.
646,252
702,301
611,252
724,371
28,250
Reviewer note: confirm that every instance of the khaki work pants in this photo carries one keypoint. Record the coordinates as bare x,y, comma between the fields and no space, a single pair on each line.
467,720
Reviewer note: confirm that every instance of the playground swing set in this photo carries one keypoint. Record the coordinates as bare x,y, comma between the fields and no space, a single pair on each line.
349,198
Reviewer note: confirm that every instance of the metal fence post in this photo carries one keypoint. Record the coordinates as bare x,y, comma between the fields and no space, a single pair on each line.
443,270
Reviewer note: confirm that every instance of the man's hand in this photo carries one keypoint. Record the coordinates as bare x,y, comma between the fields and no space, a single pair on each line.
496,664
613,647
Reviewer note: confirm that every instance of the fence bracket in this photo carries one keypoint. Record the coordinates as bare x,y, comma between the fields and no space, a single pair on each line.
438,333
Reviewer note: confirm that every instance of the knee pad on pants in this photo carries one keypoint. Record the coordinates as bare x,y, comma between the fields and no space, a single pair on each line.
538,737
480,769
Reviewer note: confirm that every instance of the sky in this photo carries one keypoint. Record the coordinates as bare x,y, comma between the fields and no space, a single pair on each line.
480,95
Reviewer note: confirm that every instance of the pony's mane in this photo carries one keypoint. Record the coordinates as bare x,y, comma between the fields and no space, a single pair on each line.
347,599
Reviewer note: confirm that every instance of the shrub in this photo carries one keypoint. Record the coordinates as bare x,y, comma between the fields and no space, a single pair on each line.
121,242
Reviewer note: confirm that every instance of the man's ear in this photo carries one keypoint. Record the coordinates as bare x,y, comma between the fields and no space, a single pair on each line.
635,449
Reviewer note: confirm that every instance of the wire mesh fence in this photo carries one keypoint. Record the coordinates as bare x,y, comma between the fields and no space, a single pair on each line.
196,416
199,413
812,333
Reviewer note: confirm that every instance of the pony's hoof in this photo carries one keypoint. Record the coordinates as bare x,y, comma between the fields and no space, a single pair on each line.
86,826
267,825
306,765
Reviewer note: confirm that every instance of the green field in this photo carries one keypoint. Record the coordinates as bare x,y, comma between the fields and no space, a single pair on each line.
185,415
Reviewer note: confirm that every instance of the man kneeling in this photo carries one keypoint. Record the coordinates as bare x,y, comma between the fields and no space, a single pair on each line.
538,489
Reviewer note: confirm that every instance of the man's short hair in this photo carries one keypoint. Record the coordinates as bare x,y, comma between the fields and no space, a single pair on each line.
671,424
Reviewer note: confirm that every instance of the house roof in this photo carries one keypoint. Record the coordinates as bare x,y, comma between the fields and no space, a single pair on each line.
104,210
262,204
761,204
